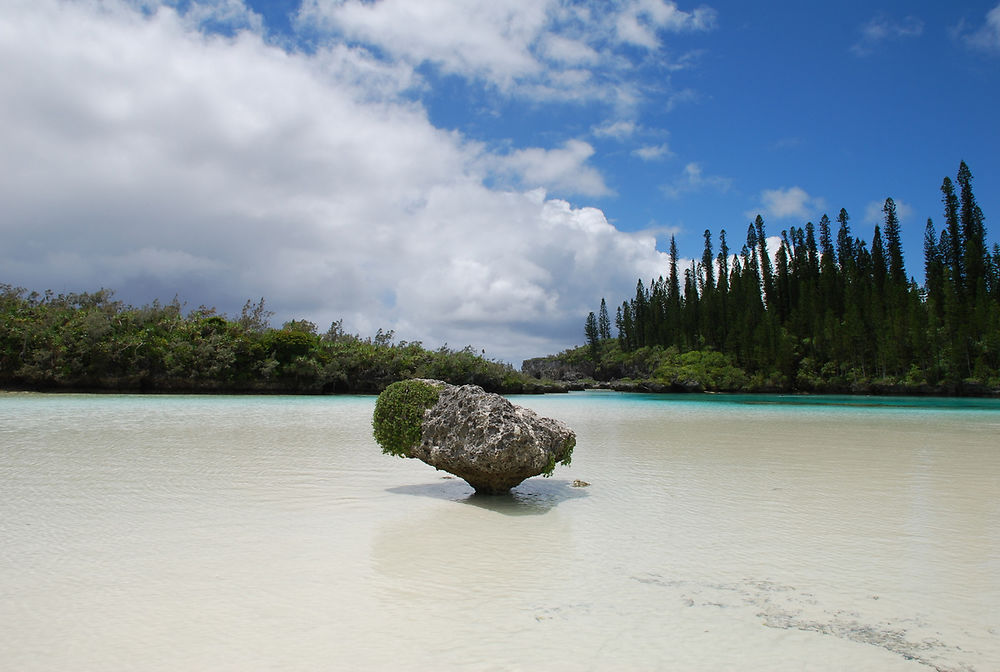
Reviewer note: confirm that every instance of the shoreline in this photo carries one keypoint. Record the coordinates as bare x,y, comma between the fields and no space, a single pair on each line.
626,386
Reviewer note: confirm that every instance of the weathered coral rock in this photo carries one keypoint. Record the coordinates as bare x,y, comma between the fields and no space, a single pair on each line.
554,368
488,441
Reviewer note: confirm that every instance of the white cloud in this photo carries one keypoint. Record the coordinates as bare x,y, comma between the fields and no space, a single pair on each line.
541,49
881,29
482,38
693,179
653,152
788,203
563,169
987,36
230,14
619,130
560,49
639,20
140,154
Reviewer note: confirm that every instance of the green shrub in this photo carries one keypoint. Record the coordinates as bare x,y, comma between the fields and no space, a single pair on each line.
399,415
286,345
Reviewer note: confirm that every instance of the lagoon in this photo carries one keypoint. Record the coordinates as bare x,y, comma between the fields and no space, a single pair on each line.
717,533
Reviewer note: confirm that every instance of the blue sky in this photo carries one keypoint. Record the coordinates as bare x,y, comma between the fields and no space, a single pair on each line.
477,172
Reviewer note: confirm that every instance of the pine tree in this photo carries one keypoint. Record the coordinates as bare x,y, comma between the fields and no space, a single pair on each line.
603,322
640,315
722,293
674,290
707,262
590,331
766,272
845,244
782,281
662,325
973,234
933,270
620,326
813,254
880,265
952,247
626,332
829,282
826,242
690,310
723,259
894,249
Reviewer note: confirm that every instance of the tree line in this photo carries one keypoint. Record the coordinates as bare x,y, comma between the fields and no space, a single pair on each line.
90,341
825,312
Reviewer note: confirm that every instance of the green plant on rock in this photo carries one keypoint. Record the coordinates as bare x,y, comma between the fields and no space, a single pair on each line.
565,461
399,415
550,467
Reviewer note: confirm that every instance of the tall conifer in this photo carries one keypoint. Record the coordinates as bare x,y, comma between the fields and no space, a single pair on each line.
971,219
603,322
894,249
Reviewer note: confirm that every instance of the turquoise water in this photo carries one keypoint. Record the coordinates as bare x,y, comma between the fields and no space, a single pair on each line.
717,532
829,401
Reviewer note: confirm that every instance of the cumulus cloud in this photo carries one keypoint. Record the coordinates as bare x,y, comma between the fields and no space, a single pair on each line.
140,153
563,169
881,29
793,202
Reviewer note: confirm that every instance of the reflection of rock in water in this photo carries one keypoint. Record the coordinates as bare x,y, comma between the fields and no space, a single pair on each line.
783,607
535,496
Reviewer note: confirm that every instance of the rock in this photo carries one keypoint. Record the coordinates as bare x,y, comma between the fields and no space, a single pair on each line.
554,368
488,441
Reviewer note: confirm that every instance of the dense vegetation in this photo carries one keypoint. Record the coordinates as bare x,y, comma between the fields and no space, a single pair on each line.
825,313
399,415
91,341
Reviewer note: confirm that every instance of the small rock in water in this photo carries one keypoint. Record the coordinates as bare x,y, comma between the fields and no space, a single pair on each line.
580,484
486,440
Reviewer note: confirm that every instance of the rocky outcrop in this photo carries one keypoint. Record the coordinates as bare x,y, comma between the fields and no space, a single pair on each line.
555,368
488,441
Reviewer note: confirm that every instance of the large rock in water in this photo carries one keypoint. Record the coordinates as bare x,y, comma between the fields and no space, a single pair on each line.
489,442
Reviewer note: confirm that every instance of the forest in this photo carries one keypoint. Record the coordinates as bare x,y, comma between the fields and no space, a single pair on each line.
92,342
826,312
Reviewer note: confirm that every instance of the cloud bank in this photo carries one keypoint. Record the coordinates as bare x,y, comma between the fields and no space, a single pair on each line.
144,153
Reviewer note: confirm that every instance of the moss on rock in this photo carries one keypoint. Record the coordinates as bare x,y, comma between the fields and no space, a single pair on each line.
399,415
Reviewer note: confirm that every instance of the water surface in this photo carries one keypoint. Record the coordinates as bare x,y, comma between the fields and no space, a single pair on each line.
717,532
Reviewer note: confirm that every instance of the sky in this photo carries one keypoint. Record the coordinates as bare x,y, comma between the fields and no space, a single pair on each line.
467,172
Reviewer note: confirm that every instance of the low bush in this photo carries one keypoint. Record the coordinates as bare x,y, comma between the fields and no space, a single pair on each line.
399,415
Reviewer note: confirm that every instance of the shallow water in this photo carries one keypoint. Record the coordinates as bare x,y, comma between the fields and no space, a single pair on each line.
717,533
